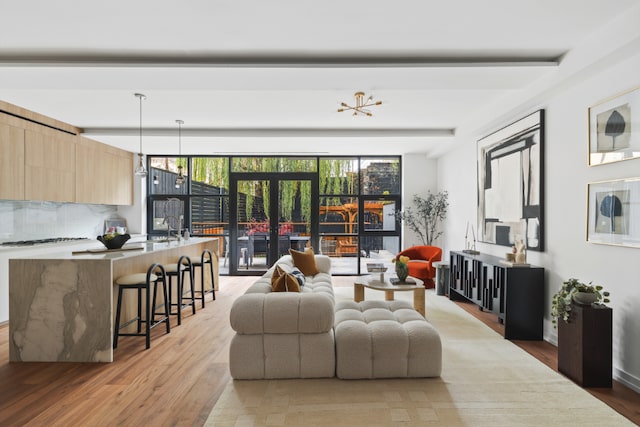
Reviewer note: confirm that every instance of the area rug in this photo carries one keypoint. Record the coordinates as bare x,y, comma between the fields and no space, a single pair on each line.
486,381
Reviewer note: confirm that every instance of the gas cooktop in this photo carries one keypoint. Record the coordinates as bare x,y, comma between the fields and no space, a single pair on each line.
40,241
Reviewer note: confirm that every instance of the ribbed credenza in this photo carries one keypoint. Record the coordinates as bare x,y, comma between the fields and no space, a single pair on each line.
514,293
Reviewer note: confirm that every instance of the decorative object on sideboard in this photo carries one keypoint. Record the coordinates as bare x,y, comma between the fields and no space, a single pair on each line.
518,255
469,247
520,252
360,105
574,291
428,213
114,240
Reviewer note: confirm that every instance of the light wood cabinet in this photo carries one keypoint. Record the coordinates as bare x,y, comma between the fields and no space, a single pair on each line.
11,162
50,166
104,174
45,159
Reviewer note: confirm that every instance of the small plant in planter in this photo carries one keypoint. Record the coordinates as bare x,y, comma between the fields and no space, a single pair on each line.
561,302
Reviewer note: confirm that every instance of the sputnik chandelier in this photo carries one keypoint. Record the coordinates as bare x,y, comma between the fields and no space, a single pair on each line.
361,105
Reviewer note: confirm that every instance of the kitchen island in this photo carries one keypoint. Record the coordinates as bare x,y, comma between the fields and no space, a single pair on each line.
62,305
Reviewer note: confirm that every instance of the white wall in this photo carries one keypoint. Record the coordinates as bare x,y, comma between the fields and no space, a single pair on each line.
419,175
567,254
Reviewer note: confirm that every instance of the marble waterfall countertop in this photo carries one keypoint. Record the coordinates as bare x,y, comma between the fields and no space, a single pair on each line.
61,304
10,252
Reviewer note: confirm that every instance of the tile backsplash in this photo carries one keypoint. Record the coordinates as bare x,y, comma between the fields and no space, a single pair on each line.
26,220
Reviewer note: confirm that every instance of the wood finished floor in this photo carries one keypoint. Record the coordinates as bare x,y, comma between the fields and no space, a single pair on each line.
178,380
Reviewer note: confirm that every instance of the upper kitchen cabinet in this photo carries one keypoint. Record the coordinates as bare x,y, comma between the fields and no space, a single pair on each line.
104,174
50,165
38,156
11,162
46,159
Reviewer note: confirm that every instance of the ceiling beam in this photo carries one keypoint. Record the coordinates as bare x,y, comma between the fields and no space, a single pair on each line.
275,132
273,61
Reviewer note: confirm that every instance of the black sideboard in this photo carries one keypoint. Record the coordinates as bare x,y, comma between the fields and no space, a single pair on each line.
514,294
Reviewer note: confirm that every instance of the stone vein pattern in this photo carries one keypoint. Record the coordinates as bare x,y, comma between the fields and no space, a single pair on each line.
59,311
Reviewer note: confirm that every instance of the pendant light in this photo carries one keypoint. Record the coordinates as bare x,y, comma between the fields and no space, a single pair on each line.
180,179
140,170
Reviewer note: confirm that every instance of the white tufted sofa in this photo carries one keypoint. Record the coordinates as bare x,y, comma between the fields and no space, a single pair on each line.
285,334
308,335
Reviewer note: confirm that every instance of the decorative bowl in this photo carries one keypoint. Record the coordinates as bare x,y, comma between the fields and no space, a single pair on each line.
114,241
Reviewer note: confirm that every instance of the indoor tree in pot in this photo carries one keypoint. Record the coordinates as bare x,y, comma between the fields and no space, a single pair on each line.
424,217
575,291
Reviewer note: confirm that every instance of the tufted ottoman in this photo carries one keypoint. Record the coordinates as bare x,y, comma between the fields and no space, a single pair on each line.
384,339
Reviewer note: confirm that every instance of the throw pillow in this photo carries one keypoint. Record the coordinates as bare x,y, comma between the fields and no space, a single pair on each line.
283,282
298,275
305,261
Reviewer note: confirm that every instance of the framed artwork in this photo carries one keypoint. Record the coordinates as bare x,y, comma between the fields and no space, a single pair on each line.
613,129
614,212
510,183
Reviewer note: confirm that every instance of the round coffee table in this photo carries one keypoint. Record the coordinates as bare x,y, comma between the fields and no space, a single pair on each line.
374,282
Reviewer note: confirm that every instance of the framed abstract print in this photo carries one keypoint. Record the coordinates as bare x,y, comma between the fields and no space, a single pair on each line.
614,133
510,183
613,212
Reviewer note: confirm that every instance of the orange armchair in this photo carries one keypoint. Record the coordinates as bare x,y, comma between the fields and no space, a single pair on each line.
420,259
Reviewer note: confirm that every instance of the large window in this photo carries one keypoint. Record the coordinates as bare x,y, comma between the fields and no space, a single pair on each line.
353,216
358,197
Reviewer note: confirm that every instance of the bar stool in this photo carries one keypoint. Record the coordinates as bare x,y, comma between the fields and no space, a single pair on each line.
178,271
206,258
140,282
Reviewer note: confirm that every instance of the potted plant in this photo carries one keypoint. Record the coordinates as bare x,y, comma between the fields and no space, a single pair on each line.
429,211
575,291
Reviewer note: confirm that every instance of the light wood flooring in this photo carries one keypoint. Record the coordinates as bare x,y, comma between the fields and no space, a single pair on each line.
177,381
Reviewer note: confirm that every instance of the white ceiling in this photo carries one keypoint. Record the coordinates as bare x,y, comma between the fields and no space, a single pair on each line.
262,77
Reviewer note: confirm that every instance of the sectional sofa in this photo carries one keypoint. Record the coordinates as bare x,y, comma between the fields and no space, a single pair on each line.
307,334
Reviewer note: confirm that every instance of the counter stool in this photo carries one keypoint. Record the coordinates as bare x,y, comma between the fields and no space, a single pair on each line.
140,282
206,258
178,271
